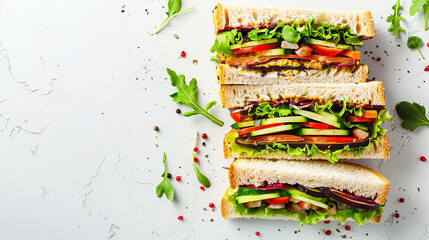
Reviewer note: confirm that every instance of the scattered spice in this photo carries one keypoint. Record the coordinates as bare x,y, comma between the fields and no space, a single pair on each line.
348,227
378,59
183,54
423,158
204,136
178,110
196,160
178,178
211,205
401,200
168,175
257,233
328,232
180,217
156,128
204,144
203,188
396,215
195,149
175,36
195,62
211,219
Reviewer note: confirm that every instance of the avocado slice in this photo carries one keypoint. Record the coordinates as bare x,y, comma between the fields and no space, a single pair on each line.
254,43
277,129
317,117
251,198
328,44
323,132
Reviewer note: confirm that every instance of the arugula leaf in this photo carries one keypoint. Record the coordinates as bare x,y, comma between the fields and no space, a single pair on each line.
414,42
165,186
186,95
201,177
224,40
415,7
412,114
394,19
173,10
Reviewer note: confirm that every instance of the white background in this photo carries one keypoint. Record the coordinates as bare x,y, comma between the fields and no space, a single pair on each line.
82,85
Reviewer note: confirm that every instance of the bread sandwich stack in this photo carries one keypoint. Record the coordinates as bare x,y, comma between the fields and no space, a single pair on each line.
301,103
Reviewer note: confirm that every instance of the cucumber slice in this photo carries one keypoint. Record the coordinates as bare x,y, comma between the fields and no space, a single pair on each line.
265,121
323,132
293,193
251,198
317,117
328,44
277,129
254,43
276,51
329,116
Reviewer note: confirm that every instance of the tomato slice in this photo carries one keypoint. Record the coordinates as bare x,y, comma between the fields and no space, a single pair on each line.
236,116
326,51
251,129
329,139
255,48
316,125
278,200
354,118
370,114
351,54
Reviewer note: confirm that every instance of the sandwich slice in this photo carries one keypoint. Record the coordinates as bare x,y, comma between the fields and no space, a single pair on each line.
306,121
308,191
289,45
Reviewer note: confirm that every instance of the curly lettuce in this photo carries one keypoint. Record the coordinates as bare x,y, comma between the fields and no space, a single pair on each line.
224,40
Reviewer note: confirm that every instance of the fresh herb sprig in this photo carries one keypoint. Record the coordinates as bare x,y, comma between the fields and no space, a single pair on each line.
415,7
412,114
415,42
165,186
173,10
395,18
186,95
201,177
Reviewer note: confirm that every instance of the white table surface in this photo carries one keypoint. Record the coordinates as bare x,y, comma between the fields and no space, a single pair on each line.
82,85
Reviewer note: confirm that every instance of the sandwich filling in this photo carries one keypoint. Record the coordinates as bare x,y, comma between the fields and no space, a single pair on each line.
301,45
308,205
305,127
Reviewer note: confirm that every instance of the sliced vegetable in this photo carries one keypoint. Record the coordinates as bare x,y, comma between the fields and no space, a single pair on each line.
360,134
277,129
270,139
254,43
311,191
251,198
278,200
317,117
351,54
275,51
370,114
354,118
326,51
326,139
322,132
316,125
350,199
236,116
305,205
252,129
265,121
328,44
255,48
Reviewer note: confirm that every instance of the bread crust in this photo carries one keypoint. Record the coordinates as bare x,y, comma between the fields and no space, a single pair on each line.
227,74
228,212
360,22
375,152
381,195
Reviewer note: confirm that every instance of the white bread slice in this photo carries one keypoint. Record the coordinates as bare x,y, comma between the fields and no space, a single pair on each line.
356,179
227,74
228,211
360,22
374,152
370,93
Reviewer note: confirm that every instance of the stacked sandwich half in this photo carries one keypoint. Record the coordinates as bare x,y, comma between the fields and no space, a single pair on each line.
301,103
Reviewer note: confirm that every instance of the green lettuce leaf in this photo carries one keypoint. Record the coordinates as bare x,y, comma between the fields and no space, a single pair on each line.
375,129
266,110
224,40
359,215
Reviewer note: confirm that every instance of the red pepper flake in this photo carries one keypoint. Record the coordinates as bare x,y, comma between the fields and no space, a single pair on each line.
257,233
328,232
211,205
196,160
396,215
183,54
427,68
204,136
202,188
401,200
348,227
378,59
195,149
327,221
423,158
180,217
178,178
427,44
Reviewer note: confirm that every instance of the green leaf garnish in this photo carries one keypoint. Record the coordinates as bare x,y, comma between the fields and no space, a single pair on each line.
394,19
414,42
412,114
186,95
415,7
173,10
201,178
165,186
